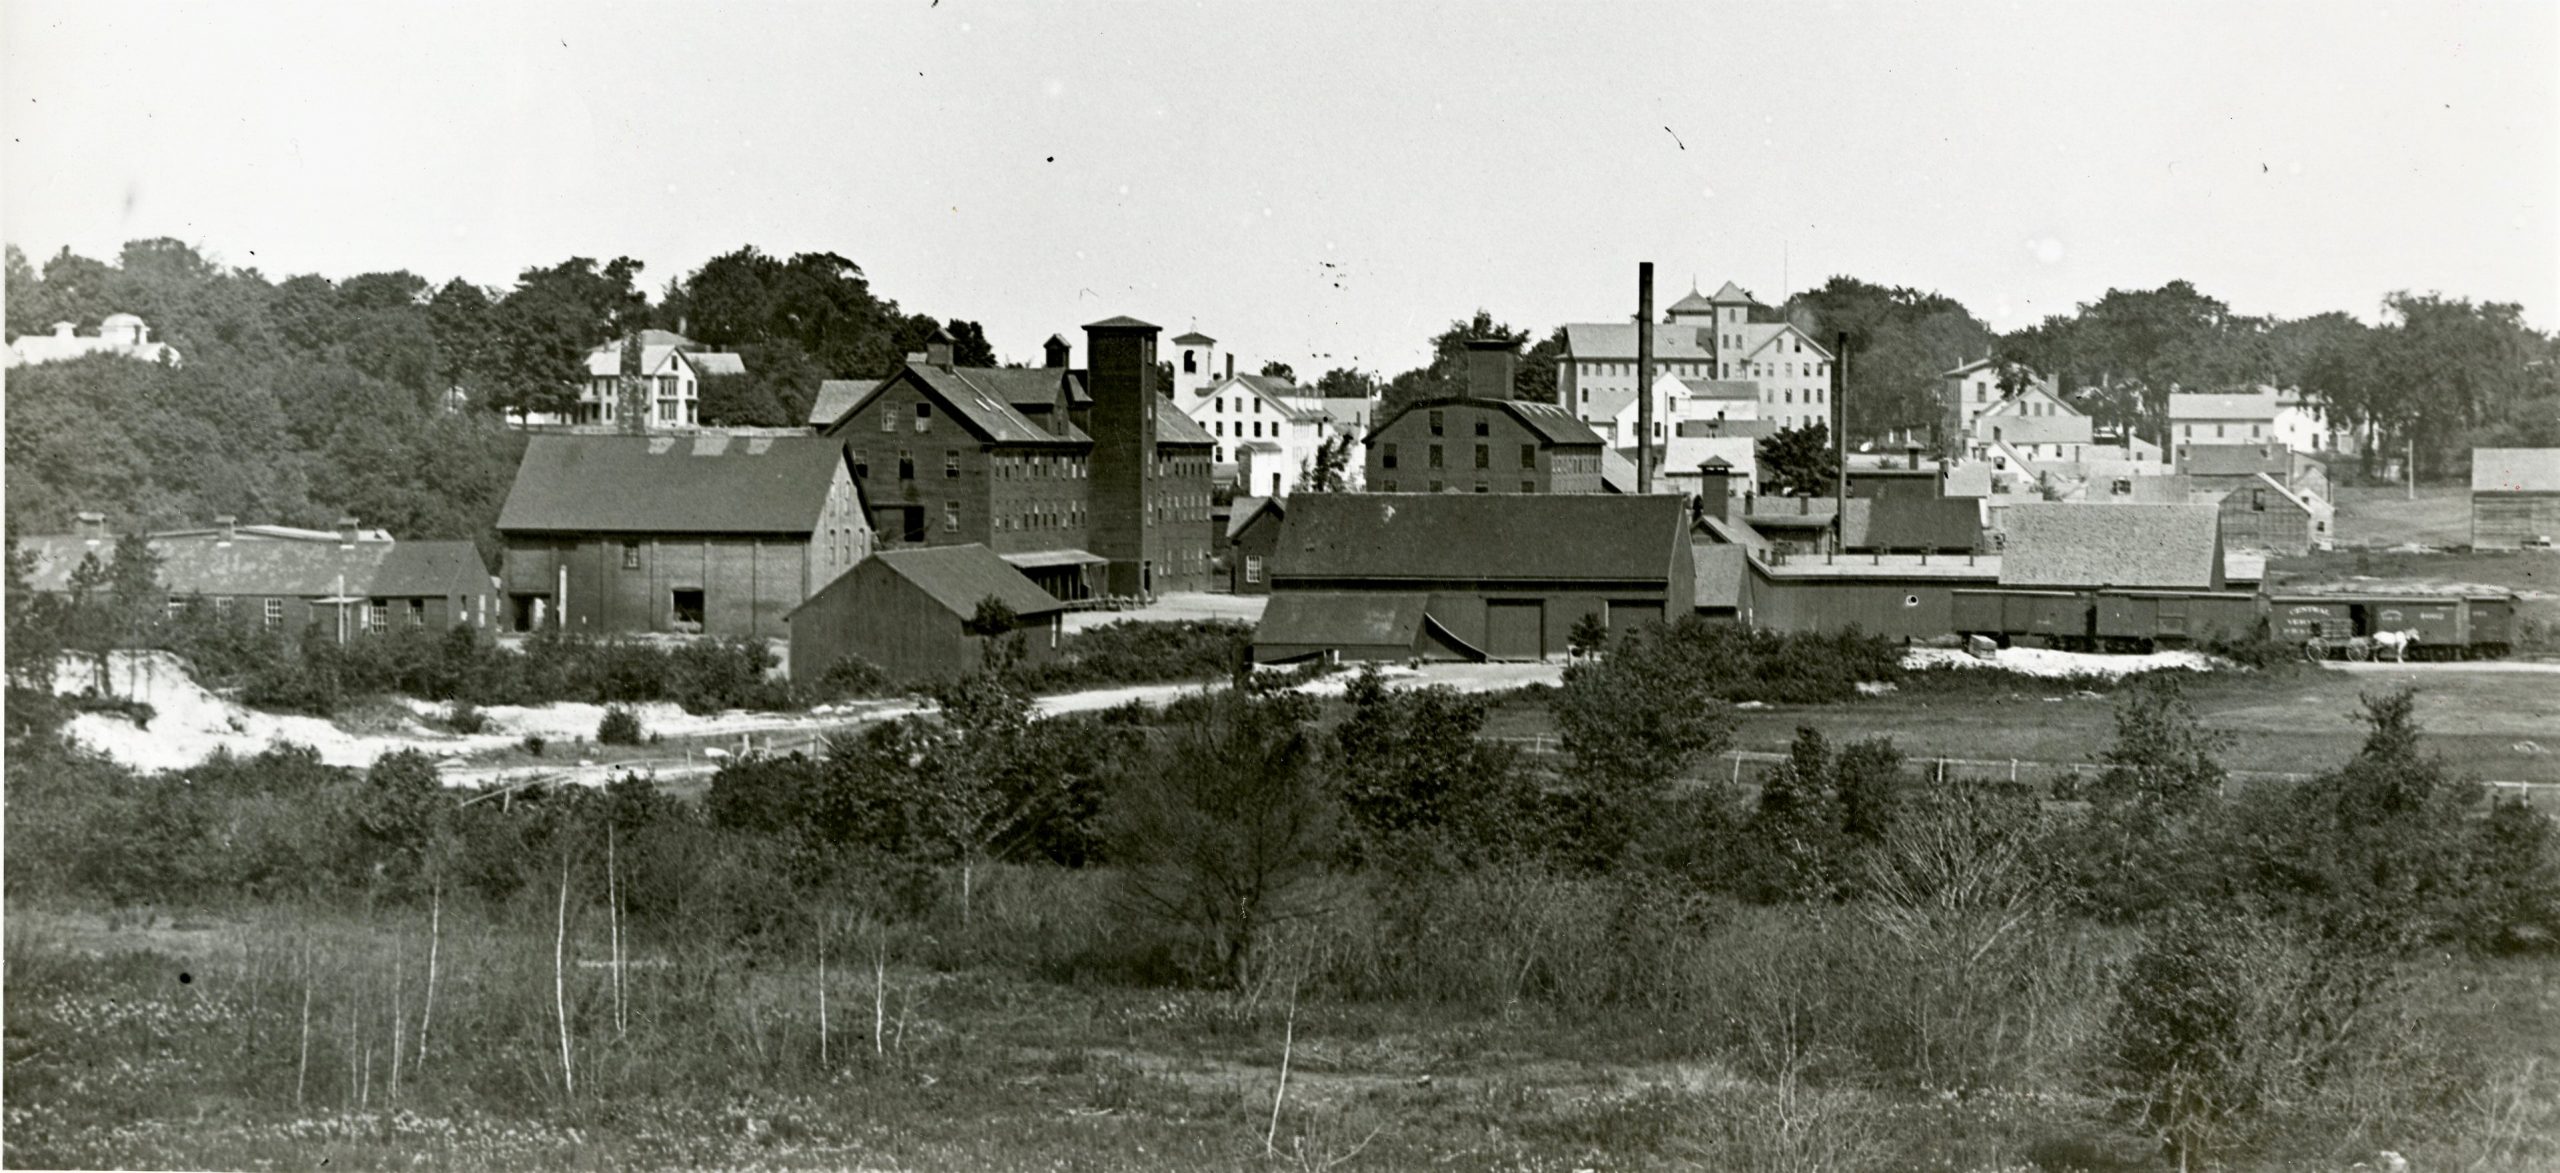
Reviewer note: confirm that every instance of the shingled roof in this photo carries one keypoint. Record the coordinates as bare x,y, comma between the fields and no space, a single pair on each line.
707,484
1684,342
838,396
2176,547
2515,470
1341,619
2234,460
1552,425
959,577
197,563
1473,537
1921,523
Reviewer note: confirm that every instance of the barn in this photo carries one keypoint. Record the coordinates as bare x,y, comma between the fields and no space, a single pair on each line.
2078,546
913,611
711,534
2515,498
1467,576
2264,515
1252,534
351,580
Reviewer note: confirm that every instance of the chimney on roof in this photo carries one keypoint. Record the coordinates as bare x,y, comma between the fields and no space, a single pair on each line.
1715,487
226,528
1491,365
347,531
1231,364
93,526
937,349
1911,453
1056,350
63,329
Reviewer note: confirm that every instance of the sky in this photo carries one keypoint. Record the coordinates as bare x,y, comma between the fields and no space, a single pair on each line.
1325,184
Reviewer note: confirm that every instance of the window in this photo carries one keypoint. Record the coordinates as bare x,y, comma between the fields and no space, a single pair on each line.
1484,428
377,615
1435,456
1484,456
1480,487
861,466
924,416
2123,487
1528,456
888,419
951,464
1253,568
631,555
1528,486
685,607
2217,431
950,517
1387,458
1190,362
906,466
1435,425
417,612
274,617
2257,500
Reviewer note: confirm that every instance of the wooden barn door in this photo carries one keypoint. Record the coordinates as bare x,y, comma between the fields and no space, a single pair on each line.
1515,629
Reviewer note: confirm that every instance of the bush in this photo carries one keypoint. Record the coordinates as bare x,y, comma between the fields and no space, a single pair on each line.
621,726
850,678
1132,652
465,718
534,743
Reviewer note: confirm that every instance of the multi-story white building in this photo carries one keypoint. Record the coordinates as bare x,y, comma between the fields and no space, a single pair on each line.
671,371
122,335
2260,413
1707,406
1267,428
1701,337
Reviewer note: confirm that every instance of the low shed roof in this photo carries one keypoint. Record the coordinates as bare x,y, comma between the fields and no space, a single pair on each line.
1481,536
1341,619
959,577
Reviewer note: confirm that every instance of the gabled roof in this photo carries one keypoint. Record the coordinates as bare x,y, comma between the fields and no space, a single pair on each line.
1290,400
706,484
1245,509
986,413
1733,293
1192,338
838,396
430,568
1756,337
1552,425
2096,545
1173,427
1618,470
2289,497
1616,341
1472,537
1966,369
1720,389
1922,523
2515,470
717,362
1121,322
959,577
1693,303
1720,571
2255,405
2233,460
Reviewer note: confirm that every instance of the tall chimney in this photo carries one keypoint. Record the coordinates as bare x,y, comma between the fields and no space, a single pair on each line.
1840,440
1120,373
937,349
1644,376
1492,367
1055,350
93,526
1715,487
1231,364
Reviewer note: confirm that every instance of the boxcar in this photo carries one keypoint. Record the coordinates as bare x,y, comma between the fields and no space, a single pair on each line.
2148,619
2493,624
2056,618
2438,623
2300,618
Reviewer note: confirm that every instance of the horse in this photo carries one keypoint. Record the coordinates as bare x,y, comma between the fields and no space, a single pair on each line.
2397,641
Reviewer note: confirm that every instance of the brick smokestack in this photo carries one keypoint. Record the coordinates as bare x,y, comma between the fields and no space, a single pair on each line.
1644,376
1492,368
1120,373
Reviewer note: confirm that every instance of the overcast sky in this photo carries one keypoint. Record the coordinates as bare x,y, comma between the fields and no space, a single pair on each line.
1327,184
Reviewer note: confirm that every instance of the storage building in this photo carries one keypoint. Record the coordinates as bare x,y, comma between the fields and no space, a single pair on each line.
913,613
2515,498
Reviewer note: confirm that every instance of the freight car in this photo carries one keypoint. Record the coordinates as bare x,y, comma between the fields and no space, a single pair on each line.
2325,626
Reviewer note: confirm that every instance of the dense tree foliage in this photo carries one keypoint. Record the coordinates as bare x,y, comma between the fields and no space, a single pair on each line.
1899,341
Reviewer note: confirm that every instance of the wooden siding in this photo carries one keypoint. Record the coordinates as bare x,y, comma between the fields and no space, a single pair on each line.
627,583
2506,521
877,615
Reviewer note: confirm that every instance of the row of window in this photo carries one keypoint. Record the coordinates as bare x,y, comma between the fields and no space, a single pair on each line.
1220,404
1041,515
2255,431
1389,485
889,415
1484,455
372,615
1219,428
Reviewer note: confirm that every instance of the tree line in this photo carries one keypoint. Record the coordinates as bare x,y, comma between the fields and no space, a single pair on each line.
386,396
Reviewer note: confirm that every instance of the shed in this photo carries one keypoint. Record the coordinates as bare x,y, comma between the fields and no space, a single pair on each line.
2515,498
1252,535
908,612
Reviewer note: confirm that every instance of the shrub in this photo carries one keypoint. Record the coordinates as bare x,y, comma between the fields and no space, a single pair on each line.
1133,652
850,678
621,726
534,744
465,718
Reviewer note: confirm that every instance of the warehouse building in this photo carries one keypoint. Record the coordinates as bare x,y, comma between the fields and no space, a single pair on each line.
2515,498
916,614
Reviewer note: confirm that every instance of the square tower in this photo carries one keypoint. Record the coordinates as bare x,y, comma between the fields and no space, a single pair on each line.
1120,356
